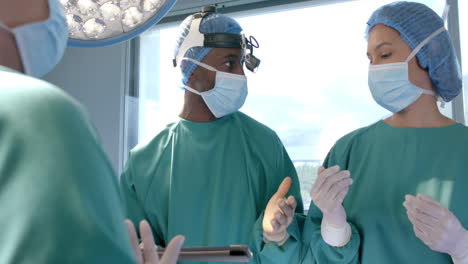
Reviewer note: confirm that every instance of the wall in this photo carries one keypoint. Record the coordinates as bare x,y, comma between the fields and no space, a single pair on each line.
98,79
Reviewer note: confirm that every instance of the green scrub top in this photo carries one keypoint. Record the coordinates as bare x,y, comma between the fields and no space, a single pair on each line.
59,197
388,162
211,182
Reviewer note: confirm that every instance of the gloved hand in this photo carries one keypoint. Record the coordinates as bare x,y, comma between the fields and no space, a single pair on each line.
437,227
279,214
149,254
328,193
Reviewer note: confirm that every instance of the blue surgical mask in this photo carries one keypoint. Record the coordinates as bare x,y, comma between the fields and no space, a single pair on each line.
41,45
227,96
390,85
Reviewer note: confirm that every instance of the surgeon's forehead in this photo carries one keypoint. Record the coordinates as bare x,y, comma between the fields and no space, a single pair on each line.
380,34
219,53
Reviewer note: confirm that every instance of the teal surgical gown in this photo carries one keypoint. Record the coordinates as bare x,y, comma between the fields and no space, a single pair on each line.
59,198
211,182
388,162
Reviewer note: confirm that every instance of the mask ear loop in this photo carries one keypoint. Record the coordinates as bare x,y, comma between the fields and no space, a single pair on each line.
419,47
3,26
425,41
444,18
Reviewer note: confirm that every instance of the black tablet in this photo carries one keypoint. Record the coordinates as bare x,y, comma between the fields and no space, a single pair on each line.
236,253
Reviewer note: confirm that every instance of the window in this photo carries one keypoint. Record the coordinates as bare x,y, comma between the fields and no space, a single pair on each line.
462,14
311,87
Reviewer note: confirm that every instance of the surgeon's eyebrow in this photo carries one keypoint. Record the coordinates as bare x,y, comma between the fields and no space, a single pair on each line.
231,56
379,46
382,44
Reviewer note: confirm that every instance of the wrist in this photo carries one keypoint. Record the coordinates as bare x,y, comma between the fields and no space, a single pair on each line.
335,220
460,254
279,238
336,236
461,260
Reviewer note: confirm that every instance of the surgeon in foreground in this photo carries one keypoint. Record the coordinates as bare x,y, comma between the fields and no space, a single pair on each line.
410,170
59,198
216,175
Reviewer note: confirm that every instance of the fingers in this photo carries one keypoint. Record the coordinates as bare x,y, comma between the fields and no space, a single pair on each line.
338,187
333,185
427,216
422,231
173,250
284,214
320,170
149,250
428,199
283,189
288,206
427,207
421,223
292,203
425,237
421,234
339,198
279,210
425,219
134,241
322,175
281,218
330,171
275,226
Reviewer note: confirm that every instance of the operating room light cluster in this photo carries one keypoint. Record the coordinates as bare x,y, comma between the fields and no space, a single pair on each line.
101,19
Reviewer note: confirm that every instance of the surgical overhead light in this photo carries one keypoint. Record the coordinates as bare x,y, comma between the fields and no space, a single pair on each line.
97,23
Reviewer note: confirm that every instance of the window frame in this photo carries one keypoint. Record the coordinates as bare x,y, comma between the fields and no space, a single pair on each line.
246,9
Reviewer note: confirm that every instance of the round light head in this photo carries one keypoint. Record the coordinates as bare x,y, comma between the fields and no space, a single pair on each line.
97,23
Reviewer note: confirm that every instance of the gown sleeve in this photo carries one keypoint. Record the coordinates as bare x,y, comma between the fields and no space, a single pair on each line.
58,193
289,252
134,207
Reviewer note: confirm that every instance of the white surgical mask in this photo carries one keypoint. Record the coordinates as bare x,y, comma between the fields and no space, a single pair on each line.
227,96
41,45
389,83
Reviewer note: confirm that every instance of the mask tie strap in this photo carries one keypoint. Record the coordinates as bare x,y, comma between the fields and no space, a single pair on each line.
5,27
437,32
444,18
442,103
192,90
438,98
446,12
428,92
206,66
424,42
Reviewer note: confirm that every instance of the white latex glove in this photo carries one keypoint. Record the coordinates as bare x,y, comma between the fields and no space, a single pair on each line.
149,254
328,193
279,214
437,227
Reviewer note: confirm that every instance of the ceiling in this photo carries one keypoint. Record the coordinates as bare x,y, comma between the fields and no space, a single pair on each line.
184,8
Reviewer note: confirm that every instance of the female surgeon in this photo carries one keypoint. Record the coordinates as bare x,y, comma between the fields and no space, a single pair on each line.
410,170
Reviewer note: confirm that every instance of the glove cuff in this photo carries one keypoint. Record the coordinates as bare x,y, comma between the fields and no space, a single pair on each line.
461,256
462,260
336,236
279,239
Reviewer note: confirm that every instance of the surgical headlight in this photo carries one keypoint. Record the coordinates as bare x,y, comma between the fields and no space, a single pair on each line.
94,23
217,40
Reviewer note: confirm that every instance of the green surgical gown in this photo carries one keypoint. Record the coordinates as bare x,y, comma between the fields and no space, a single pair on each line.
211,182
388,162
59,197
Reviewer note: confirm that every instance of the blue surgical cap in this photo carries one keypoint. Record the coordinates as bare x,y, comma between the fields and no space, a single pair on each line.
415,22
212,23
